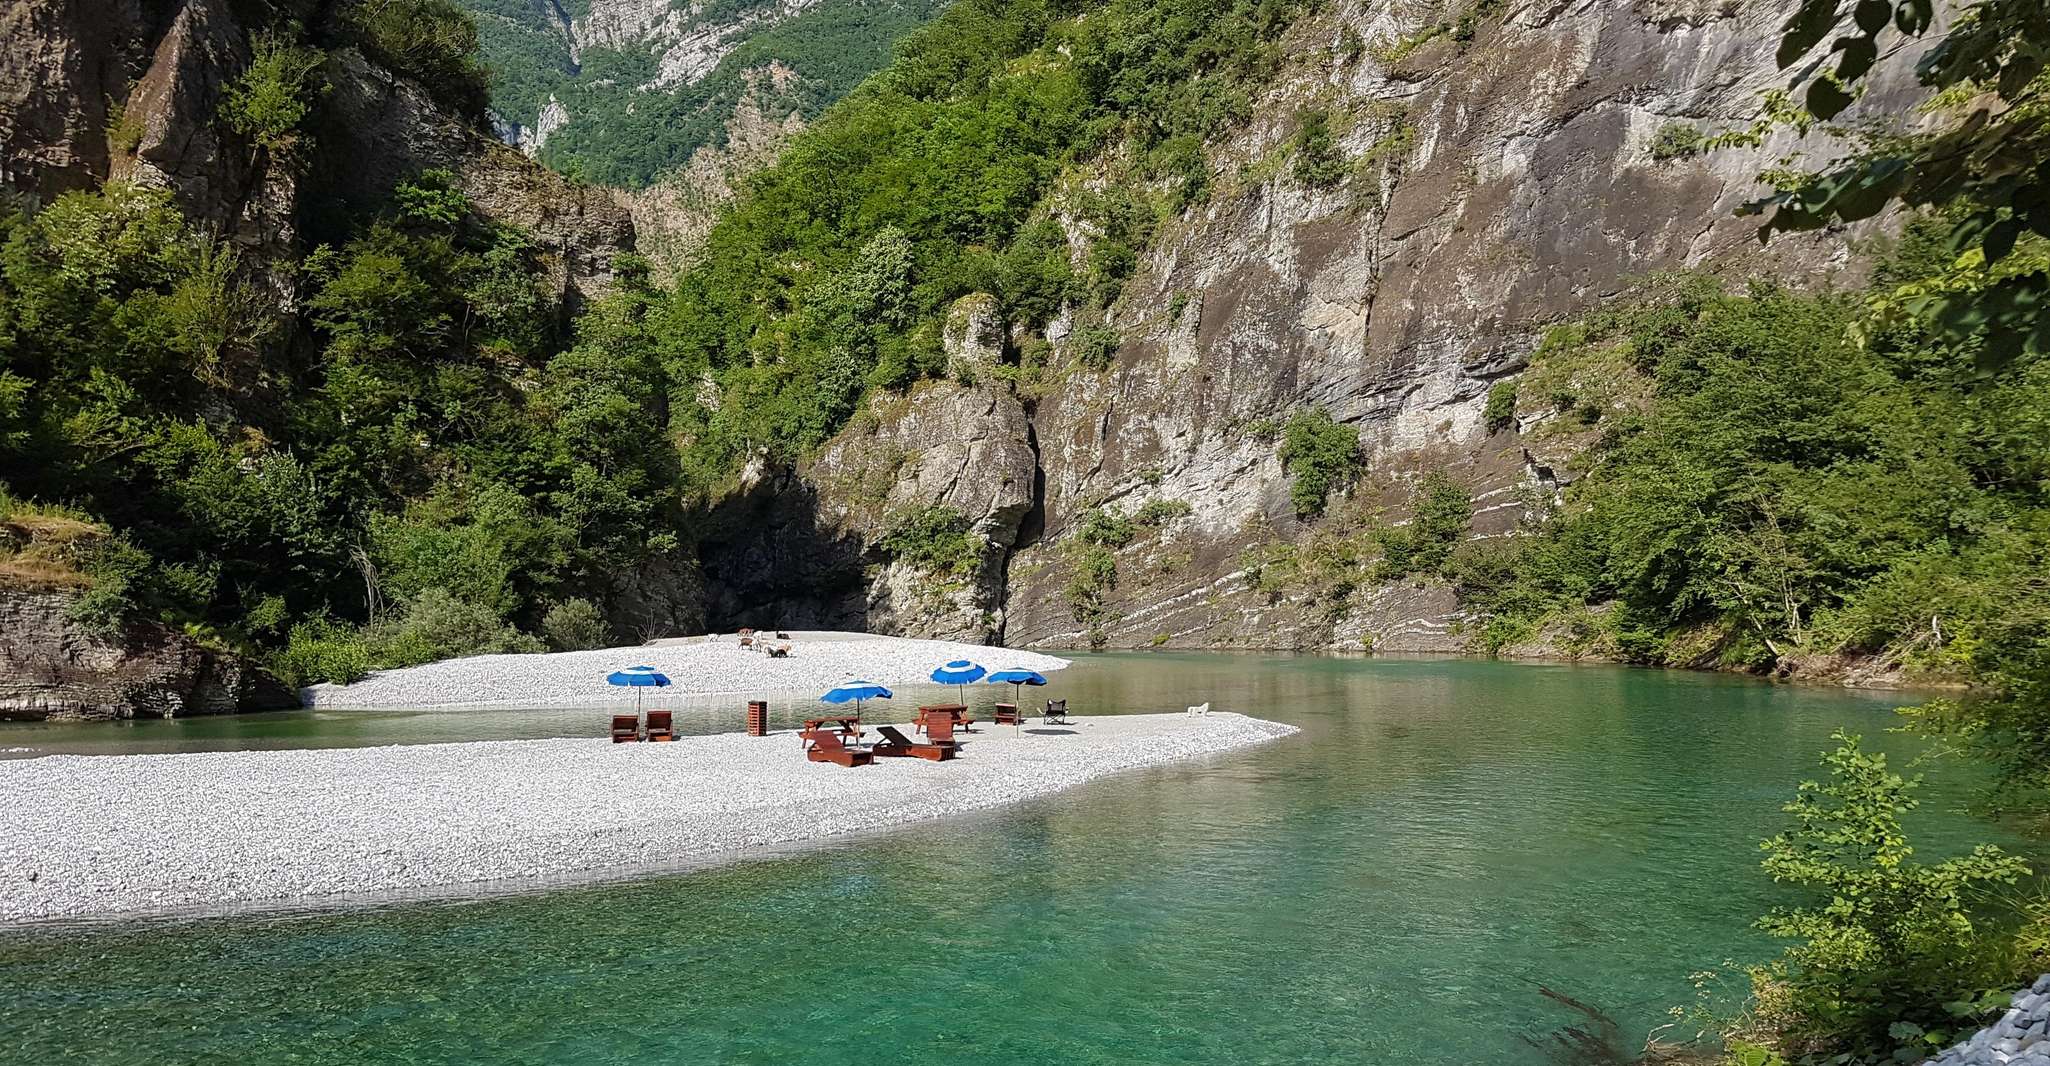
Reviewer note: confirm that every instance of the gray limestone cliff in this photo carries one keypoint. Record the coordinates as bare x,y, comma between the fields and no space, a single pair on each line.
1491,187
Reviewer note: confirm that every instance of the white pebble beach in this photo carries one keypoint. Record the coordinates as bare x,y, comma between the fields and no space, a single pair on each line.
98,836
715,665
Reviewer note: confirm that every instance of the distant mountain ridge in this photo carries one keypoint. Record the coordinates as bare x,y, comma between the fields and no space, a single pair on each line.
626,92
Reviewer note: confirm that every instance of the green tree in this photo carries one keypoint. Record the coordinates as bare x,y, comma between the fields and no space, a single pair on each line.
1889,951
269,101
1983,163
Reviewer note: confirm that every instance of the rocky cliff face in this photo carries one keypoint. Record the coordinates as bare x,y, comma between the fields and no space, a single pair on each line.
1490,187
94,92
51,668
805,547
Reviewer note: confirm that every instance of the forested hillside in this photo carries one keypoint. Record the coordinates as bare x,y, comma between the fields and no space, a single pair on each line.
624,93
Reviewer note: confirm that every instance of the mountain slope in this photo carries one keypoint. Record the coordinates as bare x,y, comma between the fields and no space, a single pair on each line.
624,92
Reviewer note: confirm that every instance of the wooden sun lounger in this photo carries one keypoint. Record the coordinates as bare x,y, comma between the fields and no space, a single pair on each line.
1006,714
822,745
940,729
625,727
895,743
660,727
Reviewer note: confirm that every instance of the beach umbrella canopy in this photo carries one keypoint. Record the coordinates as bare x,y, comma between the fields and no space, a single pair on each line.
638,678
959,672
1014,677
855,692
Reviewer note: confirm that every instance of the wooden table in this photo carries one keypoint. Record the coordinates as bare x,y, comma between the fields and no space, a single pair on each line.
957,712
847,725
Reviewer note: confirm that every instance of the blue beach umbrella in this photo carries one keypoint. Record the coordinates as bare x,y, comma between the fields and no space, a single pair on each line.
856,691
1015,677
638,678
959,672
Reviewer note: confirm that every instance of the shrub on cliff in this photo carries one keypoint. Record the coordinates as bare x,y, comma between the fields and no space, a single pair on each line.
434,42
934,539
1320,455
268,102
1438,521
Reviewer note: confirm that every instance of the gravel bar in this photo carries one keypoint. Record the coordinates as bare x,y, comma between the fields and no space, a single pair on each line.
95,836
706,666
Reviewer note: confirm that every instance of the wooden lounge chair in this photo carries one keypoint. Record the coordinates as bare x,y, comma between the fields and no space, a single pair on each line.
825,745
625,727
1056,712
659,726
939,728
1006,714
895,743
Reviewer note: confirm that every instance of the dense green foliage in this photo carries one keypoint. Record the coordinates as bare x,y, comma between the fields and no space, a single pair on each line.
624,132
1983,163
934,539
930,182
270,100
431,447
1762,485
431,41
1320,456
1438,519
1889,953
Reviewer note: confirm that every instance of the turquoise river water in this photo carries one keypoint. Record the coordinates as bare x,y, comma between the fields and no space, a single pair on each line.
1448,854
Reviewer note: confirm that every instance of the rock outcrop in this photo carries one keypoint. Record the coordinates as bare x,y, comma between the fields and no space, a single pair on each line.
52,668
804,547
382,128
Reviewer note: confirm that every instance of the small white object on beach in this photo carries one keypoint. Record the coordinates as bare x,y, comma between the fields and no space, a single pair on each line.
698,666
109,835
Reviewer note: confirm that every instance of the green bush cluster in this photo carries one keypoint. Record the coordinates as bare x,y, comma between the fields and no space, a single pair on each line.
1317,161
270,101
1320,455
575,624
434,42
431,626
1438,523
1892,958
934,539
1677,140
1500,412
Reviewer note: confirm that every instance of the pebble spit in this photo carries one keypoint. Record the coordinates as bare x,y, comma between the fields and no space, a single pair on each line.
817,662
94,836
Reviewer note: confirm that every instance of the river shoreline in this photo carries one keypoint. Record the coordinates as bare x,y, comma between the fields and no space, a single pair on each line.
101,836
697,666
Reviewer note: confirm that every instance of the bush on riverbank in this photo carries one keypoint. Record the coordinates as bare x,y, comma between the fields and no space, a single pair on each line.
433,625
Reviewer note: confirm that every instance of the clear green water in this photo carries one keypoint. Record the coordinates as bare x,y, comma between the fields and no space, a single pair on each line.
1395,885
